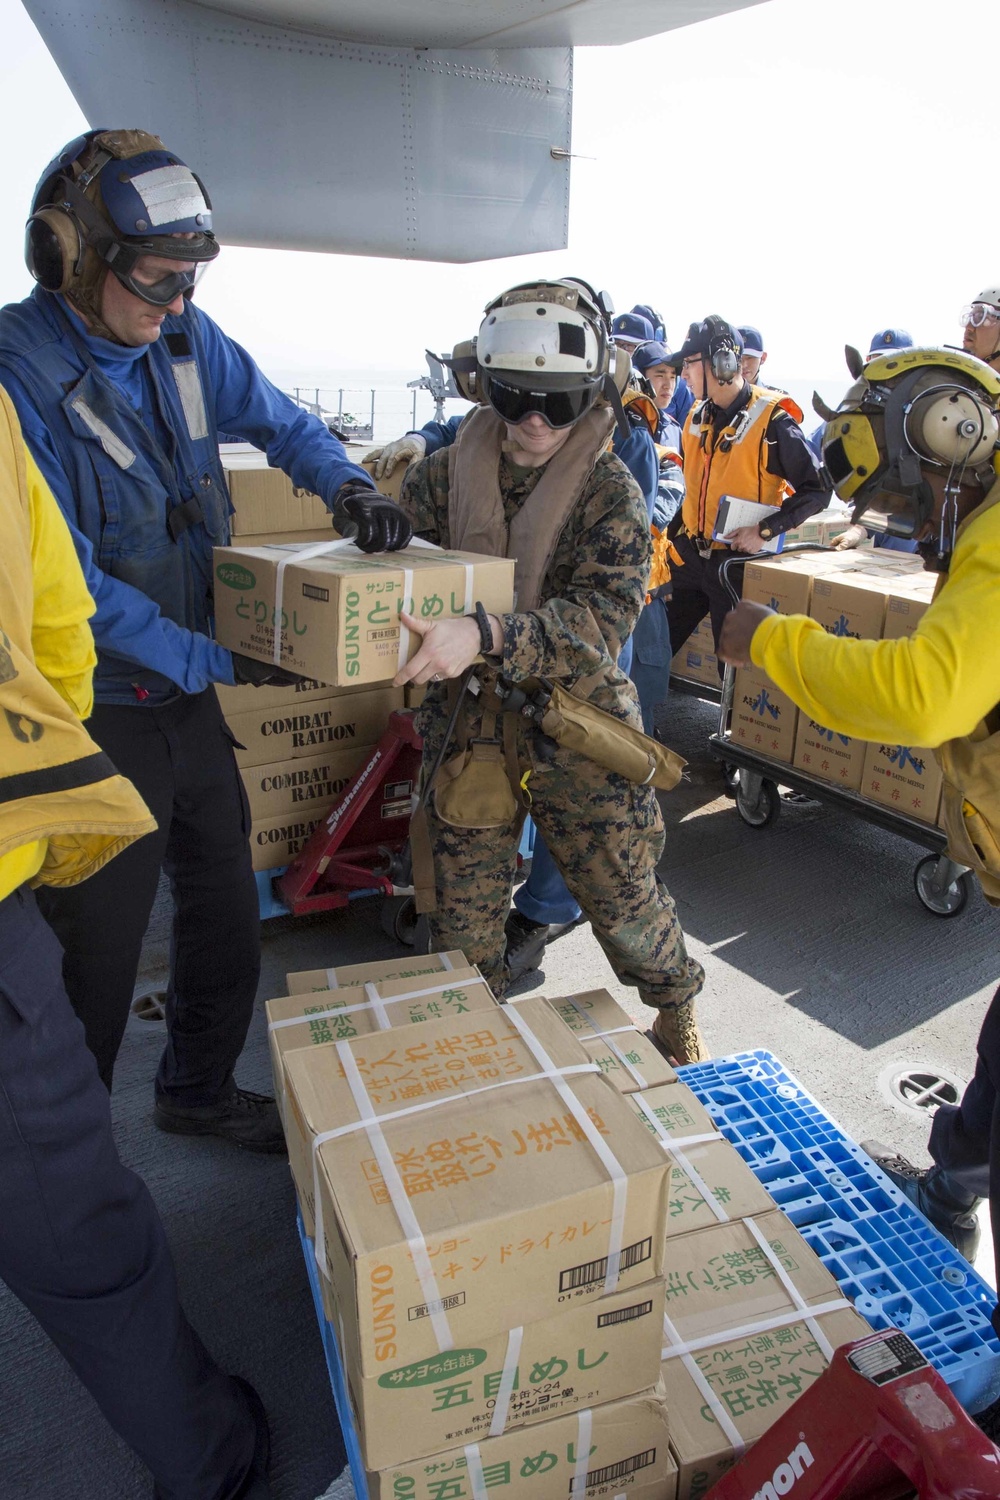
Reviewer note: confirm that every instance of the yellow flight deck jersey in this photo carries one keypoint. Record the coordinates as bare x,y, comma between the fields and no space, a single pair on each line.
934,686
64,810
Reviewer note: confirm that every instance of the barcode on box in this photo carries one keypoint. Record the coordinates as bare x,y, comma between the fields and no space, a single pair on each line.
625,1315
428,1309
597,1270
613,1473
313,591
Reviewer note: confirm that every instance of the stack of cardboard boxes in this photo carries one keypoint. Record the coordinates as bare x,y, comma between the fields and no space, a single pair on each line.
297,747
548,1272
865,595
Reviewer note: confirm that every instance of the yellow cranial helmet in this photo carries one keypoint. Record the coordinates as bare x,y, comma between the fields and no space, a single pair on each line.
911,413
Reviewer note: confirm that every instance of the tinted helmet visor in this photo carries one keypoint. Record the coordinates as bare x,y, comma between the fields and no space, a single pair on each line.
556,408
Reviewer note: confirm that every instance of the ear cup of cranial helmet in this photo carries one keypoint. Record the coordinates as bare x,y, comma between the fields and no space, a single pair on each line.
52,248
952,426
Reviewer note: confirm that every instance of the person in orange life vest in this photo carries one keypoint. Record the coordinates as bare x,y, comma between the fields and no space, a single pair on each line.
737,440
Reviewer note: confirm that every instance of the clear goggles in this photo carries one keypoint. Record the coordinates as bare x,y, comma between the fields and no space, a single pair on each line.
978,313
556,408
160,288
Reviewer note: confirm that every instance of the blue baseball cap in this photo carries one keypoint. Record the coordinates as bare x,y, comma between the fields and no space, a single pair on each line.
643,310
633,328
753,343
653,353
888,339
699,338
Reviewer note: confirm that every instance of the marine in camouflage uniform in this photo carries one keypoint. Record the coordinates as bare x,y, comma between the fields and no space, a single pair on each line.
605,833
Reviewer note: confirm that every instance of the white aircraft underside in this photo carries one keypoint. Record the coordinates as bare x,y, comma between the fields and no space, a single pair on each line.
418,129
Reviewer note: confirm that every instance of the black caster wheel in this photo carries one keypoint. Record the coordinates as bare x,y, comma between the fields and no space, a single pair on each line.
759,811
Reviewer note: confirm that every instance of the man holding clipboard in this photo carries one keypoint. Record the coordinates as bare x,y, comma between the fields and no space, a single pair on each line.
740,444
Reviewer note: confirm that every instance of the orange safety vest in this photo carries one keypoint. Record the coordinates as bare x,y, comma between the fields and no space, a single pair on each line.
732,461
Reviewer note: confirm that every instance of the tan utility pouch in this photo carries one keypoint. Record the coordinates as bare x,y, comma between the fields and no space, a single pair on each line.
473,789
970,806
576,724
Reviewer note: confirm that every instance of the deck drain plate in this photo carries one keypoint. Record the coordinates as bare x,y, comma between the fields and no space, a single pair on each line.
919,1087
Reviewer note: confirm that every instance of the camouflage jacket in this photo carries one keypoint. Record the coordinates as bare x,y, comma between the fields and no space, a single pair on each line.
594,589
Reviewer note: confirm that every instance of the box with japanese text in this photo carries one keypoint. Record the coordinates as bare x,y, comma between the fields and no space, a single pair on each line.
906,778
274,842
763,717
340,611
266,500
746,1379
674,1111
306,783
709,1182
741,1272
318,1017
696,660
604,1452
304,729
305,980
625,1055
831,756
785,584
850,605
597,1352
465,1188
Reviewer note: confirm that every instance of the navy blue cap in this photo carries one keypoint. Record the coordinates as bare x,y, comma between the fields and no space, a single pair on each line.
753,343
643,310
698,339
888,339
631,326
653,353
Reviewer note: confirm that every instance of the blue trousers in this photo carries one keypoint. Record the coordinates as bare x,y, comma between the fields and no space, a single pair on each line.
82,1245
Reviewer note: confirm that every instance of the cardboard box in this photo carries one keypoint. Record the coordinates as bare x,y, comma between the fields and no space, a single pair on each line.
611,1039
721,1279
906,778
763,717
754,1377
280,538
340,611
305,981
906,605
338,722
829,755
850,604
785,583
312,1020
626,1443
274,842
696,660
307,783
249,700
673,1113
602,1351
266,500
515,1205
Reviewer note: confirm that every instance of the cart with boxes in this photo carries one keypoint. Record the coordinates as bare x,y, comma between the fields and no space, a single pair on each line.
866,595
545,1264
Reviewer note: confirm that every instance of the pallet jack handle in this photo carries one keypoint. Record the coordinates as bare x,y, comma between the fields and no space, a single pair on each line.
879,1424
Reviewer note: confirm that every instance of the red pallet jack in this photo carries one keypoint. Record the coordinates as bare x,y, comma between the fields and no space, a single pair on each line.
361,846
879,1424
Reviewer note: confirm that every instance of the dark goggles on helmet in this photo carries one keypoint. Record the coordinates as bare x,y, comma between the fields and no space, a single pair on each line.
556,408
154,283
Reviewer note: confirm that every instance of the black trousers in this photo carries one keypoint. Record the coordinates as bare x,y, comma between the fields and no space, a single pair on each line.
965,1138
698,591
180,758
82,1245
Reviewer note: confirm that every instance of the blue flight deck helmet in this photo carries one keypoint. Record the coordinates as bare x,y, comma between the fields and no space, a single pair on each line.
110,198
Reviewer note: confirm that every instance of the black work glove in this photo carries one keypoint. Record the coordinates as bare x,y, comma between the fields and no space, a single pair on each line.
372,521
250,672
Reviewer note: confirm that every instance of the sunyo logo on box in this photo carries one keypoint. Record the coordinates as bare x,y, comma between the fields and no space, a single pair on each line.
235,576
787,1475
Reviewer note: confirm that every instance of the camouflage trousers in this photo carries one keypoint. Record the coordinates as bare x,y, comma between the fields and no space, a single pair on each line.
606,835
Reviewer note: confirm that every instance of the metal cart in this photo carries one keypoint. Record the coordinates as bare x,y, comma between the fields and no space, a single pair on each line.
942,886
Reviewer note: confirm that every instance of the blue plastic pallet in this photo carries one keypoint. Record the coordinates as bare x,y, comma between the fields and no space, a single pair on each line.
338,1380
894,1267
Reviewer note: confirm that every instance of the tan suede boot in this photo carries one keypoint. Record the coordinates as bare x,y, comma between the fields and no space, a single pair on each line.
677,1032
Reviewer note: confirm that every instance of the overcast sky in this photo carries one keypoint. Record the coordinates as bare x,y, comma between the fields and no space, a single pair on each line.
817,167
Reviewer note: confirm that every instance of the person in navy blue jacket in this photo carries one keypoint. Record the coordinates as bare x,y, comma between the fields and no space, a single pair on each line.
122,385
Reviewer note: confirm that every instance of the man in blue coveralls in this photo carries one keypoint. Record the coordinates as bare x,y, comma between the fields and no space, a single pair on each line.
121,385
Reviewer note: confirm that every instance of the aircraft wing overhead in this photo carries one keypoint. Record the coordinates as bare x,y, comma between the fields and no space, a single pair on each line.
418,129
